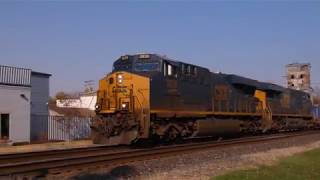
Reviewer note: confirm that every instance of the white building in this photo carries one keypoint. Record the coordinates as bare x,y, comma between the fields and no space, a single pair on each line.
18,100
15,95
85,101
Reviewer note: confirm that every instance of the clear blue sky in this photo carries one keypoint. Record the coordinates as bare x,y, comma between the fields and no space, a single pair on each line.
78,41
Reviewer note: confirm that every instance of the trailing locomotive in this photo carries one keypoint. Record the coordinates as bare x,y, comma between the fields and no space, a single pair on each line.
148,96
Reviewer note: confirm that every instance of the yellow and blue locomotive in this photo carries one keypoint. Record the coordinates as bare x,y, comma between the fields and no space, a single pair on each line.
148,96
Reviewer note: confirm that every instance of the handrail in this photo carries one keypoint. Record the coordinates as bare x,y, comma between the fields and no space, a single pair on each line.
141,107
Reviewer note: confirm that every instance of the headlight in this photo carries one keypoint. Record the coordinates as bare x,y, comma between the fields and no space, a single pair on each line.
120,78
97,107
124,105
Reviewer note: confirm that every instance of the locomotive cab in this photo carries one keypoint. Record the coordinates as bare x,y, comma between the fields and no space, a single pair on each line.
123,100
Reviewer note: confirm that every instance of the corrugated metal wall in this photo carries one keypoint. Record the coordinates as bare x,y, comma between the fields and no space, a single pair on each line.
39,128
15,76
39,94
68,128
60,128
39,105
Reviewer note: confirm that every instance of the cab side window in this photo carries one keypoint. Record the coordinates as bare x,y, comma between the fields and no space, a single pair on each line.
193,70
189,70
169,70
183,69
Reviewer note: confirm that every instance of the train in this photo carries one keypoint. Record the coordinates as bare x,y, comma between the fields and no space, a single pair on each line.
153,97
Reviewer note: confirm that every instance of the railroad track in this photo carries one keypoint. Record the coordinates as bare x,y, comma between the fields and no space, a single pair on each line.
66,159
58,153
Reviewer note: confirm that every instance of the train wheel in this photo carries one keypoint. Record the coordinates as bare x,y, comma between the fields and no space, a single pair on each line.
172,135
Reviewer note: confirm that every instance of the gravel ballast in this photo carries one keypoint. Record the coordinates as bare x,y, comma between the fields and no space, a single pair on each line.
208,163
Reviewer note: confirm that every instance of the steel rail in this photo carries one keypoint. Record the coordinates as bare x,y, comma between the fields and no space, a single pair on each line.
56,153
135,155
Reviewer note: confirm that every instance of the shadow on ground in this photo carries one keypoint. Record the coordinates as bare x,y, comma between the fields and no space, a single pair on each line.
121,172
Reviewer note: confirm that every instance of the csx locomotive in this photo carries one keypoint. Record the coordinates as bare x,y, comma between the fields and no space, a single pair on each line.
148,96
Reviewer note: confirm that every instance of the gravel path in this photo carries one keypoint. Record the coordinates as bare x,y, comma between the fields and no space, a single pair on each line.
208,163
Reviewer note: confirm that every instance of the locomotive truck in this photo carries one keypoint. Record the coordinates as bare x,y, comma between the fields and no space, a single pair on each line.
152,97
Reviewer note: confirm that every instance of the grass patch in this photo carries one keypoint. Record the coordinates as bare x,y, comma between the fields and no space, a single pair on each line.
297,167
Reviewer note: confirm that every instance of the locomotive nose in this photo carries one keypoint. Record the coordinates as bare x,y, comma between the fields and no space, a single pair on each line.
115,93
123,109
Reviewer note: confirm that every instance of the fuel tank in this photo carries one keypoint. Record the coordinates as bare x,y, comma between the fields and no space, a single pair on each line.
216,127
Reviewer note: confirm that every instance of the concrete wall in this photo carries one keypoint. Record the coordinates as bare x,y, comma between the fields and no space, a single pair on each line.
15,100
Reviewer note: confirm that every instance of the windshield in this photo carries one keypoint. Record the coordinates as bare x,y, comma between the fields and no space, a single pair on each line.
147,66
122,67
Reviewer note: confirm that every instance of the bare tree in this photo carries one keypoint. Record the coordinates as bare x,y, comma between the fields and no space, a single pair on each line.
61,95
